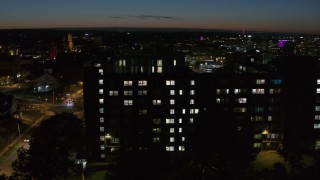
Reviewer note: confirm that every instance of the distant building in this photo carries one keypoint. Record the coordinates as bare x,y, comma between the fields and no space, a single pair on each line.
70,43
53,51
45,83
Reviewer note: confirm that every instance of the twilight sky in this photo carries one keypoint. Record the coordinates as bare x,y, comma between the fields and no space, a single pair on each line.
256,15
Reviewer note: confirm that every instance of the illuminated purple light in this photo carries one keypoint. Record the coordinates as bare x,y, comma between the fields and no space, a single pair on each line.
281,43
201,38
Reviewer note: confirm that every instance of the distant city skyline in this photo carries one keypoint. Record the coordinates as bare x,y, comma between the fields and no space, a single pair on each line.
250,15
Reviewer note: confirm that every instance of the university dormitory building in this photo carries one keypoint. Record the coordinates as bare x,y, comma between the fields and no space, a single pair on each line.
137,110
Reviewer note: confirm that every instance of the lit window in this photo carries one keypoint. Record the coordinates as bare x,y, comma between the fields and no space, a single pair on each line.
318,81
183,111
142,92
127,102
101,129
274,91
240,109
156,139
272,136
156,130
169,148
101,138
269,118
101,110
101,71
174,62
100,91
113,93
101,81
156,121
257,136
318,90
159,62
156,102
257,91
218,100
196,111
222,91
317,146
170,82
180,92
191,101
143,111
240,91
102,147
260,81
142,83
180,130
127,83
257,145
192,82
317,108
181,148
172,101
180,120
317,117
171,111
183,139
316,126
276,81
101,101
127,93
191,120
257,118
259,109
171,130
169,121
241,100
102,156
171,139
172,92
97,65
101,119
191,111
192,92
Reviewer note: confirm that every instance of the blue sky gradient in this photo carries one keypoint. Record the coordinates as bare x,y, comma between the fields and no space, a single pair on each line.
255,15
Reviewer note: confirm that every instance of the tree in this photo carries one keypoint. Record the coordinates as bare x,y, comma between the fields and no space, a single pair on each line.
3,177
20,166
54,147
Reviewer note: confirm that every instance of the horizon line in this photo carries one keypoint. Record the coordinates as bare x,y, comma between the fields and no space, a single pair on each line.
163,28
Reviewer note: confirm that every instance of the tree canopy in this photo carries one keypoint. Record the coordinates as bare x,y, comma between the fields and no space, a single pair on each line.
54,147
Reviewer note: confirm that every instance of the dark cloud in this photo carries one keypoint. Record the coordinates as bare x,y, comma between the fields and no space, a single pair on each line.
117,17
152,17
143,17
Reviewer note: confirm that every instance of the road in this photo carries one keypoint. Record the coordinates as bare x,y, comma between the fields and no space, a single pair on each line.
72,104
9,154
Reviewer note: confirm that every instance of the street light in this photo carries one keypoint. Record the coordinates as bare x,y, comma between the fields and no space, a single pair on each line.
52,100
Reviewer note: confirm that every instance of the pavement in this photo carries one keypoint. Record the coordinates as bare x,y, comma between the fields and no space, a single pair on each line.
267,159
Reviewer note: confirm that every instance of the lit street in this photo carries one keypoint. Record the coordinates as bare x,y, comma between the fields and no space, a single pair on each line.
72,104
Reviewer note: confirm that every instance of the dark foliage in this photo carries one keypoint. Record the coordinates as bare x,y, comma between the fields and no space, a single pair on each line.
54,147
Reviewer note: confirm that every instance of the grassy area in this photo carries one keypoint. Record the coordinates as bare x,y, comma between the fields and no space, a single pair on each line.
8,131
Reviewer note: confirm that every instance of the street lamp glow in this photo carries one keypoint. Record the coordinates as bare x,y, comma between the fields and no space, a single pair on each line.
265,132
